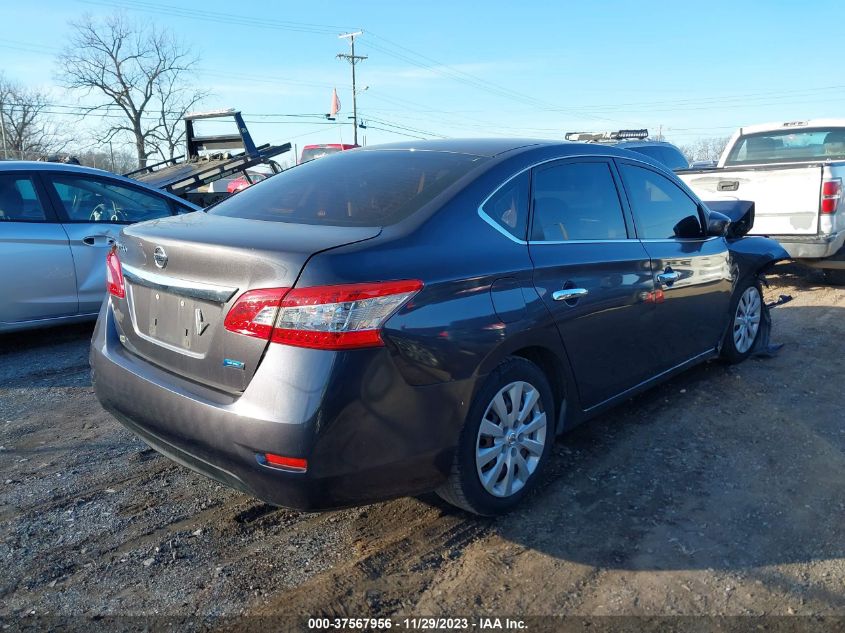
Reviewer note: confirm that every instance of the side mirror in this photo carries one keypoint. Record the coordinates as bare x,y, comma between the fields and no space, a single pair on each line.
717,224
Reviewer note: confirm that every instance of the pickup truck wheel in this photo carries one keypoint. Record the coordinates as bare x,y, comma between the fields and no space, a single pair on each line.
746,319
505,441
835,276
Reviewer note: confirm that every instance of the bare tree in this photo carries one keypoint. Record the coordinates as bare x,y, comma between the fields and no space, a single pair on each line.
28,130
705,148
119,160
140,69
174,101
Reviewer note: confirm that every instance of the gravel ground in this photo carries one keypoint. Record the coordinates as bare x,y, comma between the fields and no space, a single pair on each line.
721,492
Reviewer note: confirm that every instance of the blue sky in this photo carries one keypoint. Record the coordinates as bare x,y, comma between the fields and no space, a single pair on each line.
538,69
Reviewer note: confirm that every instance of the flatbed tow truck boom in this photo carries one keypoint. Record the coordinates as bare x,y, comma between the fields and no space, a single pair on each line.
209,158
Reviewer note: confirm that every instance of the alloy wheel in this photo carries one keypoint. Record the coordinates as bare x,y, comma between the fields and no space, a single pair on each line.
747,319
511,439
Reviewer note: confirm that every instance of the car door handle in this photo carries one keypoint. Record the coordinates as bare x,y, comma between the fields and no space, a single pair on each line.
668,277
98,240
569,294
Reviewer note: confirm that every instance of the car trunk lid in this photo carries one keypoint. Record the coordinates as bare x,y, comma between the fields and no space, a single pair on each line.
183,274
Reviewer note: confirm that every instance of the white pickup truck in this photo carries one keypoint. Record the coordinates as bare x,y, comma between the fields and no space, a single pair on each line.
793,173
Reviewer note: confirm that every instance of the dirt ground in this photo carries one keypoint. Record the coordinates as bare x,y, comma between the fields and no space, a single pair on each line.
720,492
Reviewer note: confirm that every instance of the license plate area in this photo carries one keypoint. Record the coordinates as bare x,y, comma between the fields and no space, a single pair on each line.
173,320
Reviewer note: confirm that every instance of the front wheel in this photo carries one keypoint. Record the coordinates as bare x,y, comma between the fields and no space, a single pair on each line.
746,321
505,442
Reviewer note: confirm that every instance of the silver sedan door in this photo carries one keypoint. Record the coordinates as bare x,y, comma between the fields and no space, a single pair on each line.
38,279
95,209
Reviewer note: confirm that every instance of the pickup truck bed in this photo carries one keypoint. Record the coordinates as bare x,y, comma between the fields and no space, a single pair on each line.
786,198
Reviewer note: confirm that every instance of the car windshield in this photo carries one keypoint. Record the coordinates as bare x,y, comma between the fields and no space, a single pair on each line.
361,188
789,146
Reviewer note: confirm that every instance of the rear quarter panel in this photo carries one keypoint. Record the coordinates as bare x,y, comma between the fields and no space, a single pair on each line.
451,329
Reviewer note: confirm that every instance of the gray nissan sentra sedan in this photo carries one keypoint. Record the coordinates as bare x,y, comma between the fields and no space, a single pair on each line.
428,316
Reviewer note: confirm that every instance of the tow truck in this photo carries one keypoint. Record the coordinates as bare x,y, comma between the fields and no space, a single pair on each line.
209,158
636,141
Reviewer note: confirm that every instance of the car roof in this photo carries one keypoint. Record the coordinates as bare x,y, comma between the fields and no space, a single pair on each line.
627,144
42,166
492,147
39,165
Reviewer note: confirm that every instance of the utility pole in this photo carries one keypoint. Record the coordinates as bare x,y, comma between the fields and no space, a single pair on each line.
353,59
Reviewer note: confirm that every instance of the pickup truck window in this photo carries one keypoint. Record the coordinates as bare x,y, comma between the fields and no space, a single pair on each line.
788,146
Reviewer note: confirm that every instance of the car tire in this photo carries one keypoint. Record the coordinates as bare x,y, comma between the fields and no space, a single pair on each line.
502,451
746,322
834,276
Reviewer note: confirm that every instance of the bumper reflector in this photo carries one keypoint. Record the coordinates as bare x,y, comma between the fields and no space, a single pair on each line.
294,464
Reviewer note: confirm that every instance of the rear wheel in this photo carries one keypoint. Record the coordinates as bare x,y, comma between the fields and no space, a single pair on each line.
505,441
746,321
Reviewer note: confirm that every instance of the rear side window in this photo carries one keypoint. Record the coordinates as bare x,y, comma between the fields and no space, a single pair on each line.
18,201
661,209
576,201
360,188
508,207
93,200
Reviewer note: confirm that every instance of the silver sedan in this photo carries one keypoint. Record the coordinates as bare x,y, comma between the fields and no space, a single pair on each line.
57,223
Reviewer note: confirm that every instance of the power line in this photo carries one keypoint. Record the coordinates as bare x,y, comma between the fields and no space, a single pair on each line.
216,16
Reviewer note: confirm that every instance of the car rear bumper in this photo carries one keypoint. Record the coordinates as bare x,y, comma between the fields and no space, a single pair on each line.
367,434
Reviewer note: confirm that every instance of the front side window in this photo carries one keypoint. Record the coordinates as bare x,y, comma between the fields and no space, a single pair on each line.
661,209
508,207
93,200
576,201
18,201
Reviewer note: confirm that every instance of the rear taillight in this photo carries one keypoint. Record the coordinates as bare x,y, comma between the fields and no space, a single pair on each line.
114,275
293,464
831,194
255,312
338,317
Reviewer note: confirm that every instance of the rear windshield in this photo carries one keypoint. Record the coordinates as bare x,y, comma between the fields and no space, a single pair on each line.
311,153
361,188
789,146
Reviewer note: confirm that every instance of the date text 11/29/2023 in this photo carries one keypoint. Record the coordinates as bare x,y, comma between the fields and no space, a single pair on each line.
417,624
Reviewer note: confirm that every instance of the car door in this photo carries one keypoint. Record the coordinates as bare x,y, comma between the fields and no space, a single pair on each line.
94,209
38,279
594,276
691,270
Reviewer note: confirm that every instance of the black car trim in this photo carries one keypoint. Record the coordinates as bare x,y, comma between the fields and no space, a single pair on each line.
648,381
617,179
